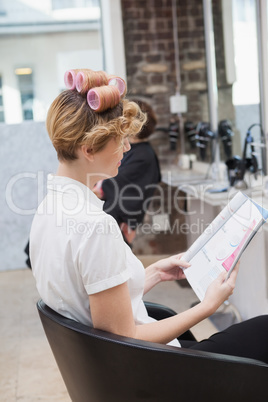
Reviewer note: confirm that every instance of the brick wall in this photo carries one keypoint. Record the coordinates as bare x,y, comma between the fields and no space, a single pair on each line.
150,56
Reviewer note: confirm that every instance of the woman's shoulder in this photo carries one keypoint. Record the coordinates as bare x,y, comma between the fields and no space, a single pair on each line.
140,152
103,231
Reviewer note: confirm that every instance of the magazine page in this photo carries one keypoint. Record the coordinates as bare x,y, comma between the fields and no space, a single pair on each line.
224,248
216,224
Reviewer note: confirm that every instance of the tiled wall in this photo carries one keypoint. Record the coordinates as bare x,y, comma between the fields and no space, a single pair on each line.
26,157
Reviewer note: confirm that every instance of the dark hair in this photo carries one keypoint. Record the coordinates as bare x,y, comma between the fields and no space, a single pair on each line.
151,123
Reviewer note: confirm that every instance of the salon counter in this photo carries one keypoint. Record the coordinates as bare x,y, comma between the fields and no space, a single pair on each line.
202,205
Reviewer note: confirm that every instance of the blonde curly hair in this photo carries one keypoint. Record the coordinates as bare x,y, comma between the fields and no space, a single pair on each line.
71,123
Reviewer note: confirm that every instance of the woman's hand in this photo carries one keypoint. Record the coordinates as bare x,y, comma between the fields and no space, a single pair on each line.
220,289
167,269
171,268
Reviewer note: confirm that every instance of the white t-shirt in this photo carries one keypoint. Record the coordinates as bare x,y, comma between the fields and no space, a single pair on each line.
76,250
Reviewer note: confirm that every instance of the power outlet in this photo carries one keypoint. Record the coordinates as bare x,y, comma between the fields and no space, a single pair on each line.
178,104
161,222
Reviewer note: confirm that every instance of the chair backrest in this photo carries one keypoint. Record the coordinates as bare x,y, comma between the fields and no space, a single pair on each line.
101,367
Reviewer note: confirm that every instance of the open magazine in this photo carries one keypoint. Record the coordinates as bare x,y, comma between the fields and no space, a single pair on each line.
222,243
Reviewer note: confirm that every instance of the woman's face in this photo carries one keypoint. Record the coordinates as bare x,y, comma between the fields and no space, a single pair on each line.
108,160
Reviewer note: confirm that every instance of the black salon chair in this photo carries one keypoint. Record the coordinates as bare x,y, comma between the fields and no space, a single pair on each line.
97,366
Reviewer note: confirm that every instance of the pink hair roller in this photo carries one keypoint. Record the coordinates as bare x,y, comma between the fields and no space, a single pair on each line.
70,79
118,83
80,81
87,79
103,98
93,99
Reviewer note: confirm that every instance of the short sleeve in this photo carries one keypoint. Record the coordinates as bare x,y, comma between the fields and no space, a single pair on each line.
102,256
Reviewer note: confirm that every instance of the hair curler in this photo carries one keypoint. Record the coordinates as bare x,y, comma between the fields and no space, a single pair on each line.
103,98
93,99
118,83
70,78
87,79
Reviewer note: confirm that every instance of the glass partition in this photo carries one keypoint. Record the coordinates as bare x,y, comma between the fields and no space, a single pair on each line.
239,99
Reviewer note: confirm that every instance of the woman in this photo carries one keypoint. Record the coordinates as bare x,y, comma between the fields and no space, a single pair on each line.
83,268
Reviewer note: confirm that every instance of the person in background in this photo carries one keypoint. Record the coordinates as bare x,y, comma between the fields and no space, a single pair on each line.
127,196
83,268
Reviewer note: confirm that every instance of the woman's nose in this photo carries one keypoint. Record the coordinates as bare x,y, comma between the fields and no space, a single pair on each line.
127,145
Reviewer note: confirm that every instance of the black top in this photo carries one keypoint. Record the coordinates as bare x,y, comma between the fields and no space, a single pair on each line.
128,194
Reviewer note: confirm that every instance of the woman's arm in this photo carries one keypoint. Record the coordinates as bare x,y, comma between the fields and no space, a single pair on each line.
111,311
167,269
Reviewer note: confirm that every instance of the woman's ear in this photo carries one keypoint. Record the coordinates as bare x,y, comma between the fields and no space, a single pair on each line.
87,152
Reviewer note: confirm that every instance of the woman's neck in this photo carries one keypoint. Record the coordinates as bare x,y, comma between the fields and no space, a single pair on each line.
74,170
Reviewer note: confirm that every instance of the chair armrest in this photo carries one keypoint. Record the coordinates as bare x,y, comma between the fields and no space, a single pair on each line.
158,311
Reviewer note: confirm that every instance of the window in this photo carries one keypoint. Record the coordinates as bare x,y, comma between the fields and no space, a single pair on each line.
51,40
25,80
245,90
2,115
61,4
